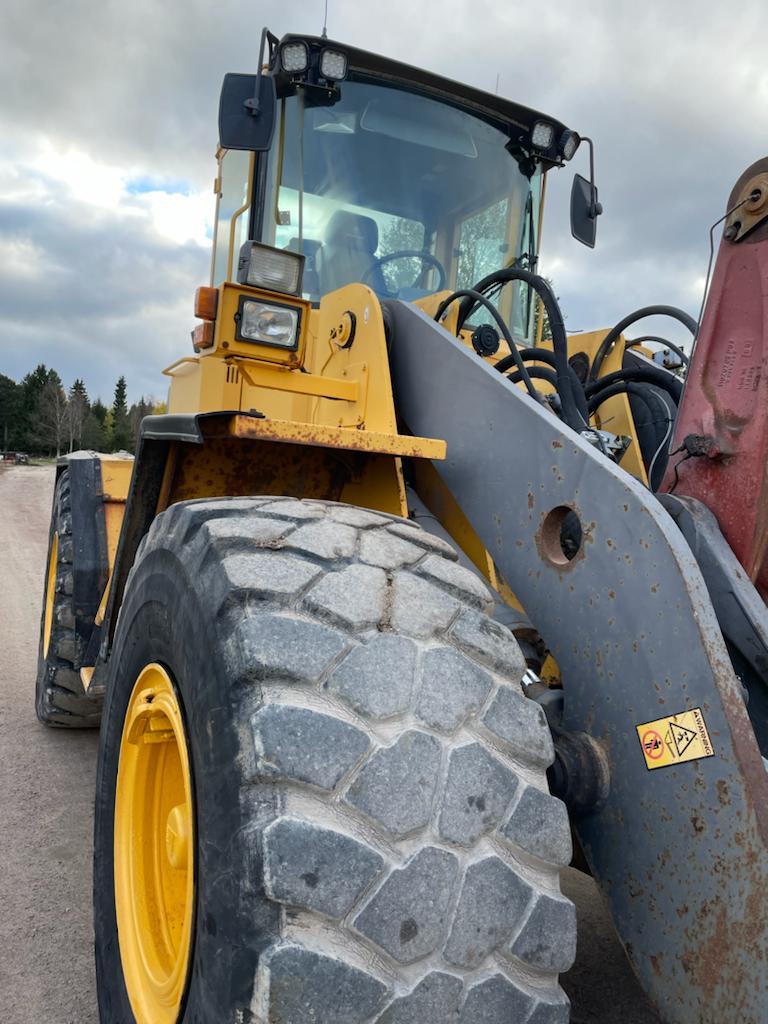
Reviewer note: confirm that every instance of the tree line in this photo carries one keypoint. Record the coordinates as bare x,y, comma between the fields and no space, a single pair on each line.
39,416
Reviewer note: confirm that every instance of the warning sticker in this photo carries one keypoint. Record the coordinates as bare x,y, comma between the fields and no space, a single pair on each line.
675,739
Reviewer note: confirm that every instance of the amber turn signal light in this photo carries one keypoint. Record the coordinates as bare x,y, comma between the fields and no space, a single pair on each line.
206,301
202,336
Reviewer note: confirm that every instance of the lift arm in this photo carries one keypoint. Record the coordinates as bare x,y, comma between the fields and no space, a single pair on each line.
679,850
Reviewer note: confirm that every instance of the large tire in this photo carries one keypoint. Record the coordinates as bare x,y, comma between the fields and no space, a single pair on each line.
375,841
60,697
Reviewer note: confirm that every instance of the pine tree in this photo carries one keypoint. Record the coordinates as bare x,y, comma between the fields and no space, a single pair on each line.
99,410
10,413
31,388
121,428
77,413
94,435
144,407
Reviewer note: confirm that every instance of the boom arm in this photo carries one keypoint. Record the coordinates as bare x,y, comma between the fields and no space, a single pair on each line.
679,852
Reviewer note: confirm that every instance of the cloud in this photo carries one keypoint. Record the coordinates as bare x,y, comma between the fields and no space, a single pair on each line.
98,280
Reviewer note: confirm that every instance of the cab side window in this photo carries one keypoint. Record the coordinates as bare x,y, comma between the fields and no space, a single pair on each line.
233,194
482,244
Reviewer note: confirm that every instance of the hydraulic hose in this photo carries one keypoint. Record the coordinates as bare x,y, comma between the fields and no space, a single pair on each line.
537,373
545,373
634,342
571,413
620,387
644,374
545,356
542,354
476,298
612,336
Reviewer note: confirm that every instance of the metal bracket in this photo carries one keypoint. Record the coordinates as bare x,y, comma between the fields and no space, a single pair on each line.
254,103
752,208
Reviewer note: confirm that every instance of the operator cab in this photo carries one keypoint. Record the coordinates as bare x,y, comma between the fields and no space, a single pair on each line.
346,168
385,175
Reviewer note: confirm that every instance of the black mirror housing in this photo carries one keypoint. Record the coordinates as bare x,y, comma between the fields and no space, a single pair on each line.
240,125
585,209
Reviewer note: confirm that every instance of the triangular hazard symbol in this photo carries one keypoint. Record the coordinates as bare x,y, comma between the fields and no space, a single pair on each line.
682,737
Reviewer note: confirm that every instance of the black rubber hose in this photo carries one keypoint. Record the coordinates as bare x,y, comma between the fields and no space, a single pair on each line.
617,388
646,374
507,362
537,372
571,413
655,472
477,297
659,341
607,343
545,373
543,355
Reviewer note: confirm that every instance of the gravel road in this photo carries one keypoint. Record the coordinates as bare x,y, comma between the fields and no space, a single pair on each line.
47,779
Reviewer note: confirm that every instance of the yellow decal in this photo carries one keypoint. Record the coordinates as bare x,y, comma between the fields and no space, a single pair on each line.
675,739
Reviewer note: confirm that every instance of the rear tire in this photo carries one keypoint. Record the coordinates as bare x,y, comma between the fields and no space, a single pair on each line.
375,841
60,697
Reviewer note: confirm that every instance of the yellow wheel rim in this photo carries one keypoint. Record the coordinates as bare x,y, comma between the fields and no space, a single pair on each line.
50,593
154,850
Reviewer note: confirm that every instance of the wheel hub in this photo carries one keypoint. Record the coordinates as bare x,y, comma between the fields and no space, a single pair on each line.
177,837
50,593
154,862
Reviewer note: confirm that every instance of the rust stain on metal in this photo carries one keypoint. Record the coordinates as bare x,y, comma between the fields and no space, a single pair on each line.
320,435
237,467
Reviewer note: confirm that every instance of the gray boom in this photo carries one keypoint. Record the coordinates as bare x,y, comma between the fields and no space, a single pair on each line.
679,852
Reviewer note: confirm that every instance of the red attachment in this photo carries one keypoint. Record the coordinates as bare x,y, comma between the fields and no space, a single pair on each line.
723,417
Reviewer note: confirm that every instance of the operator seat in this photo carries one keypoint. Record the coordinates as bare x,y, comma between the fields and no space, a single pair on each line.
347,253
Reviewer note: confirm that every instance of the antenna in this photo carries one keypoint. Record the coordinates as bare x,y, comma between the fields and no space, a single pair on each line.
498,75
325,22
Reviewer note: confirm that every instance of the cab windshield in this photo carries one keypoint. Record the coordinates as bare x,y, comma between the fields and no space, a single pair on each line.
398,191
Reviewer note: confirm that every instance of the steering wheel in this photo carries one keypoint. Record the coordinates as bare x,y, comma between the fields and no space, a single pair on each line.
426,258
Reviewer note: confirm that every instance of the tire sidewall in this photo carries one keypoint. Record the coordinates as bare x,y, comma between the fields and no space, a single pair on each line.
163,620
45,664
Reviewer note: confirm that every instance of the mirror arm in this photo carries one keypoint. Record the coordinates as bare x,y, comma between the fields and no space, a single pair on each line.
595,208
253,104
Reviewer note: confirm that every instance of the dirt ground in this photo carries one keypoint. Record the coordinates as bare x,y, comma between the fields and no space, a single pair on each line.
46,794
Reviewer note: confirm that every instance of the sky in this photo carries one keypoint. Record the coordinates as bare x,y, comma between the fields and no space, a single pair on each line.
108,131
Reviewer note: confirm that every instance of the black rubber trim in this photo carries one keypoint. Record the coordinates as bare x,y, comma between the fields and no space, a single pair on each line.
172,427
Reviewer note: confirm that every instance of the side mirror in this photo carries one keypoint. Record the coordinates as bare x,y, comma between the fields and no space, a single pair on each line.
585,209
243,124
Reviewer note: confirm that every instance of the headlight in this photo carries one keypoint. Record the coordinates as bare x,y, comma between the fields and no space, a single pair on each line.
542,135
276,270
268,324
333,65
569,143
294,57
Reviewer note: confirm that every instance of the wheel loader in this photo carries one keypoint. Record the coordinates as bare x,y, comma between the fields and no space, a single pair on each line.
412,600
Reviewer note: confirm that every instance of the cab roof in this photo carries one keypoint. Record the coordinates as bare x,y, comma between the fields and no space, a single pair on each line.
514,119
